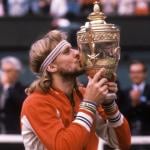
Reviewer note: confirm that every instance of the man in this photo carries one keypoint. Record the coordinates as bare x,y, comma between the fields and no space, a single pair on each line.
57,115
138,99
11,95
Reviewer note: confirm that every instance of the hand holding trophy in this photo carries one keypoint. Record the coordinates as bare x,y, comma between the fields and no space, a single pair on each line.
99,45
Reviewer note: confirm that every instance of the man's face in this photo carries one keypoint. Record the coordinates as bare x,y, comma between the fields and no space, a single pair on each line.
9,73
69,62
137,73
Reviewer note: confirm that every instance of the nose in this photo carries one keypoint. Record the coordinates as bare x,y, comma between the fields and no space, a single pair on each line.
76,53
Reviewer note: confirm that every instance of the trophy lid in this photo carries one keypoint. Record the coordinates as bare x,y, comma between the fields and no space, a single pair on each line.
97,26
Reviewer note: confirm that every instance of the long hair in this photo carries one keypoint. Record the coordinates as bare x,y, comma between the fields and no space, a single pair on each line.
38,52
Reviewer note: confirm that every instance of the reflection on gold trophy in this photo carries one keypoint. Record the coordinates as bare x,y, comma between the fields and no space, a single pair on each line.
99,44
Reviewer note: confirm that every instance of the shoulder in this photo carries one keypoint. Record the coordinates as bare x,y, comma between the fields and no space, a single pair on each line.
38,103
37,99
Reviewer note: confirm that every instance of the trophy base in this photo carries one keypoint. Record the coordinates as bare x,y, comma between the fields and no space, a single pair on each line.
111,96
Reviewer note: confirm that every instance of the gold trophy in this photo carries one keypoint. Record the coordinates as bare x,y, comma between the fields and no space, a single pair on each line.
99,44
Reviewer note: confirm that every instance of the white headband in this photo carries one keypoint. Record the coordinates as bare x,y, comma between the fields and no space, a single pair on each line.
53,54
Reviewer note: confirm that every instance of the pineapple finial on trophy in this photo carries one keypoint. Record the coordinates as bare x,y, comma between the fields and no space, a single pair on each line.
96,7
97,14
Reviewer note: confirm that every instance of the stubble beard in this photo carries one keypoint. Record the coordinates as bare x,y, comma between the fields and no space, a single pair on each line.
71,74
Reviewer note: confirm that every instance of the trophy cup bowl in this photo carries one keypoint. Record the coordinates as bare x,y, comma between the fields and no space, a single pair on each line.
99,42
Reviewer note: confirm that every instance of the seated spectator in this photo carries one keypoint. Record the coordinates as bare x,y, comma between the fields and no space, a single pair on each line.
58,11
34,7
11,95
73,9
109,7
138,99
141,7
22,7
126,7
58,8
86,7
44,7
2,12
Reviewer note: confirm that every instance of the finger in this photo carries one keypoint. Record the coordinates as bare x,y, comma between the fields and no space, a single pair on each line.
105,93
111,84
102,82
103,88
98,75
89,79
114,89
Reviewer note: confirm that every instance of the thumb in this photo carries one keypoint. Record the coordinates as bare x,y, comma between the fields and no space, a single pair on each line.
89,78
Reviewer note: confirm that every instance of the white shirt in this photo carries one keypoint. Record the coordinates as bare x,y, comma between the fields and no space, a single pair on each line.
3,96
58,8
140,87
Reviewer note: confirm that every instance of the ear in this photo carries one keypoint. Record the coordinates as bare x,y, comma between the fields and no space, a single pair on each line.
52,67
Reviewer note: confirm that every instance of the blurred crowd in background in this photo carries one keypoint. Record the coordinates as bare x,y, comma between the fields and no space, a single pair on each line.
61,8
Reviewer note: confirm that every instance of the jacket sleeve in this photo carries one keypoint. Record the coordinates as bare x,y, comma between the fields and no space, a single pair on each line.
50,130
116,134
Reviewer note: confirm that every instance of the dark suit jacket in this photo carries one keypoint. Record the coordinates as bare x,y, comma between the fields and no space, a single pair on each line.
12,108
138,116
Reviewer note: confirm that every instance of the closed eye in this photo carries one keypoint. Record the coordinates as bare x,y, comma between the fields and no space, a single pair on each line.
66,51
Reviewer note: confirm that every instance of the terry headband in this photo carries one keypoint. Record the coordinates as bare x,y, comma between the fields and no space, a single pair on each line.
53,54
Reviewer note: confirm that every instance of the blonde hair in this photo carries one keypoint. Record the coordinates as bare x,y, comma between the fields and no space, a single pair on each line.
38,52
